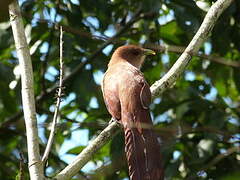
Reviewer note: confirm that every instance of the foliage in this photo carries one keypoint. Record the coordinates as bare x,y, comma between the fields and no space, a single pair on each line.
198,119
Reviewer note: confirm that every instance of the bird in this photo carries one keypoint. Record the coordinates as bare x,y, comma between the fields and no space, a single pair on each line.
127,97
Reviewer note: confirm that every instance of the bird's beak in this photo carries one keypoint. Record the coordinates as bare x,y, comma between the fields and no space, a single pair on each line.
148,52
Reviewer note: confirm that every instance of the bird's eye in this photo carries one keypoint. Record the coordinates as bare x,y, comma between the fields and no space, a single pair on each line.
135,52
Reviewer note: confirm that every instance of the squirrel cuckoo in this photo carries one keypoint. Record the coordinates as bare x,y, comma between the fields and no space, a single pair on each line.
127,97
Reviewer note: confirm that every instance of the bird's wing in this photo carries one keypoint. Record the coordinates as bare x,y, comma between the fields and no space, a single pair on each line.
145,95
141,146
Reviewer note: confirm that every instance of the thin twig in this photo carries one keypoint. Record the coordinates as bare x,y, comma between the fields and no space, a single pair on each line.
21,165
69,29
181,49
216,160
156,47
59,95
83,33
219,157
156,89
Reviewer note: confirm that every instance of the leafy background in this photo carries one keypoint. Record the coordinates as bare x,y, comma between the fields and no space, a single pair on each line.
197,119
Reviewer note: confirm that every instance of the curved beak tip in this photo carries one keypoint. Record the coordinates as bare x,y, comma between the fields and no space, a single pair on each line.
148,52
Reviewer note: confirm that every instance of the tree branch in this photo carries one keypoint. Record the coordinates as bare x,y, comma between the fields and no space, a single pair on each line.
59,95
35,165
180,49
203,32
157,88
156,47
214,161
88,152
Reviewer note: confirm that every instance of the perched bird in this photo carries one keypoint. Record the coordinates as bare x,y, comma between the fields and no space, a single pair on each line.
127,97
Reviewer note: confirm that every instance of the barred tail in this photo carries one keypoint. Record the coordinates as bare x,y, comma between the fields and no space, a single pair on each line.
143,154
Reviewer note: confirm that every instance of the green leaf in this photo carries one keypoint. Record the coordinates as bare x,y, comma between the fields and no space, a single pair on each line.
171,32
221,87
75,150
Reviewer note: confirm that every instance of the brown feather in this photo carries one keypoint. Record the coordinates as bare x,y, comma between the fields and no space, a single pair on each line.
127,96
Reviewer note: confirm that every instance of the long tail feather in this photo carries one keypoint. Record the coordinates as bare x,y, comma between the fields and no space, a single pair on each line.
143,155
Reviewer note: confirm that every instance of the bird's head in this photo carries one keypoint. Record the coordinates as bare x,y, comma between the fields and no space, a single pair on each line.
133,54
